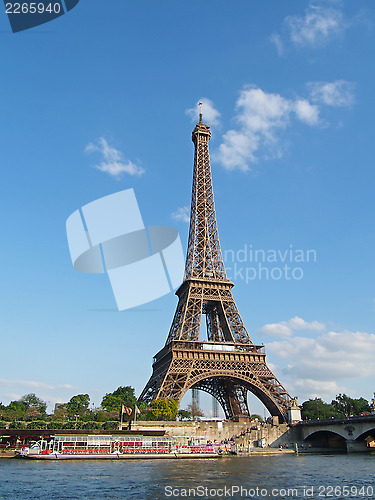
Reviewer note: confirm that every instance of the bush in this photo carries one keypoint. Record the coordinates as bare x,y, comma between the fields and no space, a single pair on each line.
72,424
55,424
93,425
17,424
37,424
69,425
111,425
3,425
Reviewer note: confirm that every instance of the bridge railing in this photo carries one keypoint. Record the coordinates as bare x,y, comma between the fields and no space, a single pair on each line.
331,421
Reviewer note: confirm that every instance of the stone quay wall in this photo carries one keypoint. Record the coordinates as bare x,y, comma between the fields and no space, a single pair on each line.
241,434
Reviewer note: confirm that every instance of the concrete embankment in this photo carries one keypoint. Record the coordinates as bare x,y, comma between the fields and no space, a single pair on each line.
242,435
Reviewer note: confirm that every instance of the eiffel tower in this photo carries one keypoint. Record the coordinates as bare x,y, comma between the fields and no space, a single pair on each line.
228,365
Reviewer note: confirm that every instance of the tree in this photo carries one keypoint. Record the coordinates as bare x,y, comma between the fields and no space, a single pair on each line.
113,401
103,416
346,406
78,404
32,401
33,413
194,409
145,410
163,409
15,410
314,409
60,412
184,415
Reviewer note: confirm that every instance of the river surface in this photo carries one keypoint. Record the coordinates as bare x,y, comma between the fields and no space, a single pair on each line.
288,476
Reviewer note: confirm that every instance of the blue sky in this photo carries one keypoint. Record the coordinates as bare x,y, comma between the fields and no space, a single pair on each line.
104,99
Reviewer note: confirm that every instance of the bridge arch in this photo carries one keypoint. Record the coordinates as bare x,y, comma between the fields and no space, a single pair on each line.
368,436
326,439
325,429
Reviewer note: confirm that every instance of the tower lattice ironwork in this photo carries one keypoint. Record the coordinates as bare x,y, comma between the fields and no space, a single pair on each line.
228,364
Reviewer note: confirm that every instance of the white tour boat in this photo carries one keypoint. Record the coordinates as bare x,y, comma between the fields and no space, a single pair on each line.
113,447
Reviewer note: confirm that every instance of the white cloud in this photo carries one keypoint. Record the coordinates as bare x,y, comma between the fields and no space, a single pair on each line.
297,323
326,390
237,150
112,162
331,356
339,93
275,330
211,115
25,383
262,117
276,39
286,328
30,384
181,214
12,389
306,112
316,27
317,367
259,115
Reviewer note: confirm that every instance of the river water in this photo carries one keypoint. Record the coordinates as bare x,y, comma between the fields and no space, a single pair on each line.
287,476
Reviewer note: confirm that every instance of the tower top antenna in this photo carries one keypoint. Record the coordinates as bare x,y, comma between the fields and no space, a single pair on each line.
200,113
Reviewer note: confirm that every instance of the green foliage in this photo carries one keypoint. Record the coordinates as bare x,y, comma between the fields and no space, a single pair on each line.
103,416
111,425
17,406
341,407
345,406
3,425
55,424
121,396
37,424
60,412
314,409
256,416
17,424
87,416
145,412
78,404
32,401
73,424
112,403
184,415
16,410
69,425
33,414
163,409
93,425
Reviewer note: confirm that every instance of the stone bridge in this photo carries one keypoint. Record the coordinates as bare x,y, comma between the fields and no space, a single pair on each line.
351,434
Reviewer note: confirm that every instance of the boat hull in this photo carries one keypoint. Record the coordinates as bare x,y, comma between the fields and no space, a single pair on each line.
120,456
